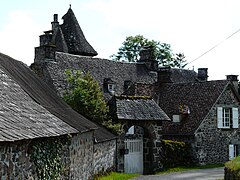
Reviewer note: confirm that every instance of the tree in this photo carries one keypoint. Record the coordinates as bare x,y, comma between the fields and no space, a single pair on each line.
84,95
131,47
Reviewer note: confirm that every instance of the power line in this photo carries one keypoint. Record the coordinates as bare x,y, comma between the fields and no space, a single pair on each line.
215,46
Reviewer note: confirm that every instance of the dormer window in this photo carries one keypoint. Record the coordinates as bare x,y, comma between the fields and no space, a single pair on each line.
109,85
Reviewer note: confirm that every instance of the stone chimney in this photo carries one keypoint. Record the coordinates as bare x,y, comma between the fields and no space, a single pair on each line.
164,75
55,23
147,56
202,74
234,80
46,50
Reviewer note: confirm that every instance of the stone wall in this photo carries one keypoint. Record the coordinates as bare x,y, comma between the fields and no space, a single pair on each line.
104,156
212,144
15,161
81,156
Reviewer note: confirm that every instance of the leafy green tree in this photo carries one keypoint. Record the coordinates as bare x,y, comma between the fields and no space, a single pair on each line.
85,96
131,47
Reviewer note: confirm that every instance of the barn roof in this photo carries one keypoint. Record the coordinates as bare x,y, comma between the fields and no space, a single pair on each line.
30,109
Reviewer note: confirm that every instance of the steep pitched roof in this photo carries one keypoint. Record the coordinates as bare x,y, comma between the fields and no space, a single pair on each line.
138,108
59,41
74,37
30,109
99,69
199,97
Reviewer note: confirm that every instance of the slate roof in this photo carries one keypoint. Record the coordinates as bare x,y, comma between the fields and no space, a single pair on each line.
30,109
74,37
100,69
138,108
176,75
198,96
183,75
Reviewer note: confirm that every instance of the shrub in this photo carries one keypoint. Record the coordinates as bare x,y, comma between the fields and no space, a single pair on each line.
176,153
232,169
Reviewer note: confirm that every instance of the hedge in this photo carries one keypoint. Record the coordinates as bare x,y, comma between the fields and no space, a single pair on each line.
176,153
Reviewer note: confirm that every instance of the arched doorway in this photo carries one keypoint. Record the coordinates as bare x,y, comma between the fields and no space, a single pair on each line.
133,159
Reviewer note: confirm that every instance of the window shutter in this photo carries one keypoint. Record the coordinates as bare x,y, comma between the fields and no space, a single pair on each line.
235,117
219,117
231,151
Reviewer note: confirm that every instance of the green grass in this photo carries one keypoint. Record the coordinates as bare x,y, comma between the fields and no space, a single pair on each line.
118,176
186,168
123,176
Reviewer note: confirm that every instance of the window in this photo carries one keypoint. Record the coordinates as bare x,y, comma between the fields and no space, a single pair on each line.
111,87
176,118
227,117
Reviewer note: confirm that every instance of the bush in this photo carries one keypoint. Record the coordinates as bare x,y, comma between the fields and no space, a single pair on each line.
176,153
232,169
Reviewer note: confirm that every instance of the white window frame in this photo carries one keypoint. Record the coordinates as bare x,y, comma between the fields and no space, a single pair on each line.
227,117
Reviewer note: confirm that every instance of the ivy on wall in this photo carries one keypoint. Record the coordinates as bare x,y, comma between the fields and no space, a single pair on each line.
46,155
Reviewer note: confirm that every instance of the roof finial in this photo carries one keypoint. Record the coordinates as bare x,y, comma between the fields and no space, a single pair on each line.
69,6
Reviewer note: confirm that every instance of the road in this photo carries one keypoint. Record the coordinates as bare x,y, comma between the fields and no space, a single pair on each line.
200,174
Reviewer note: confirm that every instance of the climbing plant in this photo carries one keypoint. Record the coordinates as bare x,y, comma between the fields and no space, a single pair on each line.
46,155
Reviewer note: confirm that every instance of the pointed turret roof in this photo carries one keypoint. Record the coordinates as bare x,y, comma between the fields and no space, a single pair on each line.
74,37
60,42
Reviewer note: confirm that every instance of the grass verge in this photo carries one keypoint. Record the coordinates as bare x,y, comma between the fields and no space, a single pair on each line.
118,176
186,168
123,176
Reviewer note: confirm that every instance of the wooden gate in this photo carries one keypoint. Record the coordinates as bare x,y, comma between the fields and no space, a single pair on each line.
133,160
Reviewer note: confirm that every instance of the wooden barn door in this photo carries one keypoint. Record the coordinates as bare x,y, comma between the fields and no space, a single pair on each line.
133,160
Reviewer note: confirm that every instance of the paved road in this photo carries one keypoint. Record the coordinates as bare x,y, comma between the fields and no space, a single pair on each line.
201,174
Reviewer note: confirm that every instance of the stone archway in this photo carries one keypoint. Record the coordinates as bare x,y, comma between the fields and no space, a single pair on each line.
151,145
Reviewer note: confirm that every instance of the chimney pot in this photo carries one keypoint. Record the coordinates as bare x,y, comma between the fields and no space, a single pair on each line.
55,18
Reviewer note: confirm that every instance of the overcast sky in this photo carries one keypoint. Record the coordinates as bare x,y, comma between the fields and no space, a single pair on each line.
189,26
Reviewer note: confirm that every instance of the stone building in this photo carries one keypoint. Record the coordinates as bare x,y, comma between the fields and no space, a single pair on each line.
31,113
51,62
203,113
184,96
